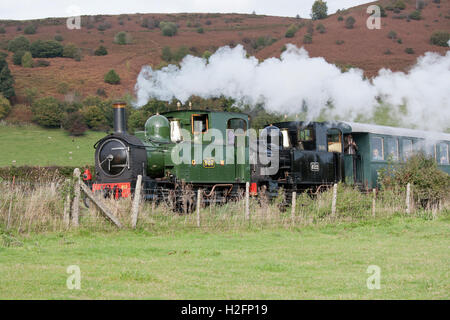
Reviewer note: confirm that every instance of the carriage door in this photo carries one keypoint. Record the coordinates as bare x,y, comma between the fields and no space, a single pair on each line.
334,142
236,137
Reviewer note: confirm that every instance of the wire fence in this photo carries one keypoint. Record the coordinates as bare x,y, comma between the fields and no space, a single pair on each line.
42,207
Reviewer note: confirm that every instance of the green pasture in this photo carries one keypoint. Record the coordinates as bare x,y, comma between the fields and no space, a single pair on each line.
35,146
314,262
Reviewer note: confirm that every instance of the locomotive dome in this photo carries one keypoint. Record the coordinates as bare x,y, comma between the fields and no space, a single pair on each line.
157,129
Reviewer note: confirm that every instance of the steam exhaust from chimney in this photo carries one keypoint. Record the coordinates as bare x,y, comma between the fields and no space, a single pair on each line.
119,117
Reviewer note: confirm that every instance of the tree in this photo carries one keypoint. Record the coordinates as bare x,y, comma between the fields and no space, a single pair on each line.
307,39
74,124
319,10
19,43
180,53
94,117
112,77
2,30
6,80
415,15
101,51
17,57
350,22
5,107
47,112
27,60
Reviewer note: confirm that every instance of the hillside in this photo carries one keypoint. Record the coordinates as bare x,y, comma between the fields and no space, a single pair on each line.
360,47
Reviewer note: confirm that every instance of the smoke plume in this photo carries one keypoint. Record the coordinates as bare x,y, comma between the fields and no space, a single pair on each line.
296,83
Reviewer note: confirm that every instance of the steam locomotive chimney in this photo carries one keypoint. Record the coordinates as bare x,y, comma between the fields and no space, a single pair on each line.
119,117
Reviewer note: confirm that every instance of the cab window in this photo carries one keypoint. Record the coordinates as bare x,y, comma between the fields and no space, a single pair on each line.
199,123
235,127
306,139
334,141
286,139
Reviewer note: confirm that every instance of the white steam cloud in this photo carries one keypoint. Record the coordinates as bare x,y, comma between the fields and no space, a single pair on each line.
288,84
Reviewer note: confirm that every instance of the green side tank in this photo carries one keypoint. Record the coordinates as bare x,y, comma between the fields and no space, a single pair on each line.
157,135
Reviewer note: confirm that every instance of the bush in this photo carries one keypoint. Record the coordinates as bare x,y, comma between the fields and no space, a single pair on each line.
200,30
5,107
20,114
46,49
206,54
409,50
399,41
101,51
339,42
180,53
63,88
400,5
321,28
350,22
2,30
440,38
415,15
319,10
74,124
392,34
70,51
27,60
112,77
123,38
101,92
290,33
307,38
19,43
31,29
429,183
340,18
59,38
166,54
17,57
47,112
388,51
150,23
168,29
104,26
94,117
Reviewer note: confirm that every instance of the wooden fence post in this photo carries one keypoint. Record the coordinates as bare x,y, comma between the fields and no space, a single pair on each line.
136,201
333,204
199,203
374,202
76,200
247,200
294,204
100,205
408,198
66,214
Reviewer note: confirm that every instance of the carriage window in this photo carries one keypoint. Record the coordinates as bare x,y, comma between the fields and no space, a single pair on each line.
175,131
286,140
392,148
377,148
443,153
199,123
407,148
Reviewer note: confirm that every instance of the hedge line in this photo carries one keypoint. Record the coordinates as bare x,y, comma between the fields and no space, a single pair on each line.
38,174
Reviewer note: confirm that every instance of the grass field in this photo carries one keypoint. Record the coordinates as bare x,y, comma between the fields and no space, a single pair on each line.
32,145
315,262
